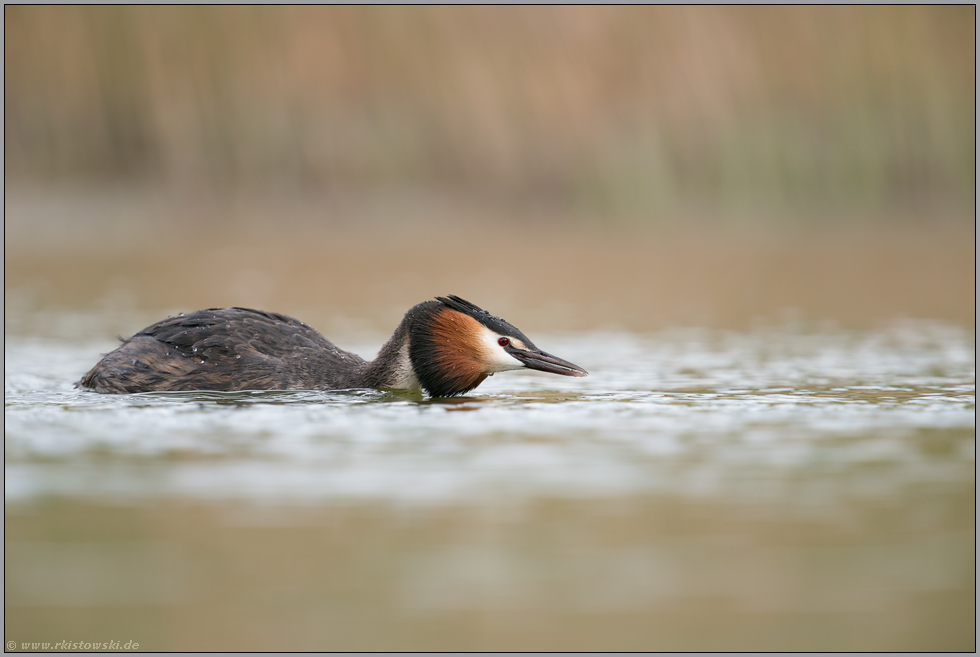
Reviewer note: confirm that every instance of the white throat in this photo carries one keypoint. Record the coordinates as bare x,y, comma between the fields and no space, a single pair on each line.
404,377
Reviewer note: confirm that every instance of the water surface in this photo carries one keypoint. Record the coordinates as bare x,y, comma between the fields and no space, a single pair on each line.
777,488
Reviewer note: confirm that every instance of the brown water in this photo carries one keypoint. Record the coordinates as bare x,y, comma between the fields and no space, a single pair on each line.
770,453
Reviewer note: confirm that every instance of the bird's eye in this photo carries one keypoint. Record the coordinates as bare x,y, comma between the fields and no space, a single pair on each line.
503,342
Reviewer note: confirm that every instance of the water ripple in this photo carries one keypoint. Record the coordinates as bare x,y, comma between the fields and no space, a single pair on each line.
681,412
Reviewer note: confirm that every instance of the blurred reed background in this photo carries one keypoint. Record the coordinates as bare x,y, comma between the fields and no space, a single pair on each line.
518,154
613,108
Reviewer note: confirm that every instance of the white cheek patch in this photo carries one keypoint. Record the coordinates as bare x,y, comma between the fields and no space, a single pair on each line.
496,359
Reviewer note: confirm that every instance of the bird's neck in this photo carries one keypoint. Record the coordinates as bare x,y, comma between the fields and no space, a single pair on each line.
432,349
393,366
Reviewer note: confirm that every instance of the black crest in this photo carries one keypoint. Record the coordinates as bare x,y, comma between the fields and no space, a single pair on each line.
501,326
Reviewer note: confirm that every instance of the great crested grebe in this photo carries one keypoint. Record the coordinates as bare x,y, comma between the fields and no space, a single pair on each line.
445,347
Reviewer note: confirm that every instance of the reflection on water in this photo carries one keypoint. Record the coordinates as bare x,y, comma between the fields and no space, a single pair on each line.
702,489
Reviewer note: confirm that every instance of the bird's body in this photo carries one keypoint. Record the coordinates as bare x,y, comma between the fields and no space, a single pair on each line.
446,347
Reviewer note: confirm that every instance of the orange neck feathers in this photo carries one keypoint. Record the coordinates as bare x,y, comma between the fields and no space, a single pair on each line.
456,343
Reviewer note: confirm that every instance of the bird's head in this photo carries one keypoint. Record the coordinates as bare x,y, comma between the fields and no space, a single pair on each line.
455,345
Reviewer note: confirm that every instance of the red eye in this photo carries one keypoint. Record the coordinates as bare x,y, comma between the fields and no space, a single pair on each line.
503,342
